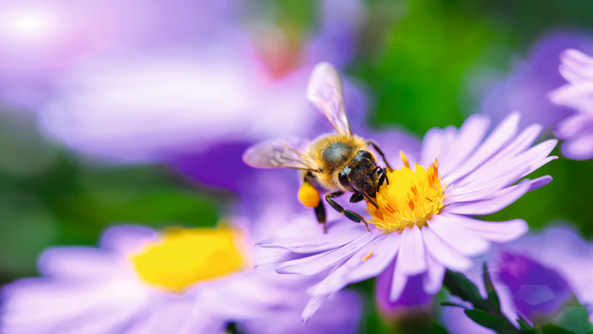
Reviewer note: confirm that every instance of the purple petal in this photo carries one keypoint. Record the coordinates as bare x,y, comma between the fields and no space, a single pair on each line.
169,317
537,290
412,258
312,307
539,182
252,293
523,141
504,171
322,261
412,299
470,135
574,96
433,279
500,200
537,156
77,262
398,282
446,227
577,66
383,254
485,184
315,244
497,139
580,148
432,146
494,231
573,126
36,306
127,238
443,253
360,266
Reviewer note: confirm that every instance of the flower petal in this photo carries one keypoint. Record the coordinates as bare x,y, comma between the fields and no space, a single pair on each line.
446,227
127,238
398,282
523,141
576,66
433,279
431,145
383,254
412,259
370,261
579,148
574,96
500,200
313,245
77,262
494,231
312,307
317,263
444,253
573,126
470,135
497,139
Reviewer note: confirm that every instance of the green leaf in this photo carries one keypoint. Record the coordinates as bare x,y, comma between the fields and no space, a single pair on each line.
457,284
575,319
553,329
523,323
498,323
492,300
452,304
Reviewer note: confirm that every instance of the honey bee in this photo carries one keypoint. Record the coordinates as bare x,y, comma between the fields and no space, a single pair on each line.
333,163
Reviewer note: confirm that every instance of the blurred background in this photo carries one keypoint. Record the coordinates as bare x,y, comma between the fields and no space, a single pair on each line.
139,110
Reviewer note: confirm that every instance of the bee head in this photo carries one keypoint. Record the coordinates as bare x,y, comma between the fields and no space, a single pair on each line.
361,174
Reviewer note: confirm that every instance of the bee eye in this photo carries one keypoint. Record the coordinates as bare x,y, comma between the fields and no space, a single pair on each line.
366,155
343,177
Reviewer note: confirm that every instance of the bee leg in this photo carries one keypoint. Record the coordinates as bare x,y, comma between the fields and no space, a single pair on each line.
376,147
383,177
309,196
320,214
355,217
356,197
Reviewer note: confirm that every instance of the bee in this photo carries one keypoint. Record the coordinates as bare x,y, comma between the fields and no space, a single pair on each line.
333,163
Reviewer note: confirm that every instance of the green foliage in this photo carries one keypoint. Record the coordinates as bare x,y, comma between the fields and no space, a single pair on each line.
573,318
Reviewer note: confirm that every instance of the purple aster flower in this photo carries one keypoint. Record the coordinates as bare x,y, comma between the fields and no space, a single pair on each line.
40,40
177,281
526,89
577,129
199,103
422,221
534,277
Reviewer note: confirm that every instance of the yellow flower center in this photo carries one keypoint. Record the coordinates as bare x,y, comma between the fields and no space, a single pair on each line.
410,199
182,257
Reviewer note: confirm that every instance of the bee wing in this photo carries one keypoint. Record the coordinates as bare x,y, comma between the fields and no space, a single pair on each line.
326,93
280,153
